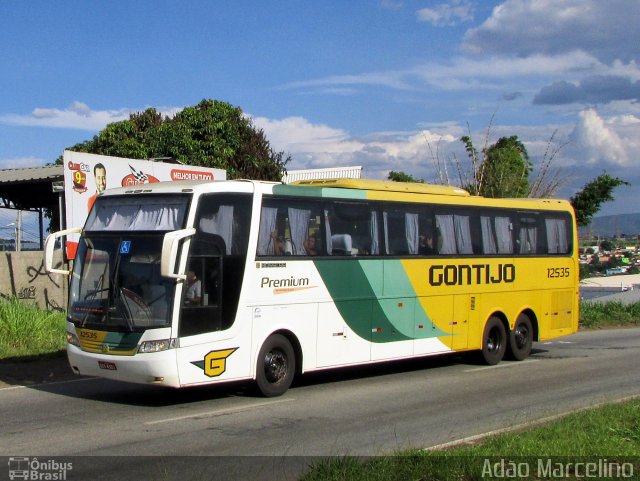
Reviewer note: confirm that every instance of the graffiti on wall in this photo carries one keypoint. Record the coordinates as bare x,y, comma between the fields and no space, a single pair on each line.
23,276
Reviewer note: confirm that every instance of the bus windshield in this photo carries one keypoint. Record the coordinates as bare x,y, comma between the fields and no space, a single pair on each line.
116,282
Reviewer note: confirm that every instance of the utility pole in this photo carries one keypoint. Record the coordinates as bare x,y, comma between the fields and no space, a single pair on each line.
19,231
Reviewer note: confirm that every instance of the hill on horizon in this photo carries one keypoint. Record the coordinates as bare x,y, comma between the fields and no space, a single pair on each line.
613,226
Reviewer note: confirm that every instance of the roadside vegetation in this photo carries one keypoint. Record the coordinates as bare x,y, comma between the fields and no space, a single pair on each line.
28,331
599,315
610,433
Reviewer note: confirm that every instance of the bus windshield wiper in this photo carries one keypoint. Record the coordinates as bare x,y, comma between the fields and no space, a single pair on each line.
90,298
119,301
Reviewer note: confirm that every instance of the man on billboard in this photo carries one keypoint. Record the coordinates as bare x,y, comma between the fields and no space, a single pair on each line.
100,176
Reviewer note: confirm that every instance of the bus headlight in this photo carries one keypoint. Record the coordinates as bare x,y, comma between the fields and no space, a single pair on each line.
157,346
73,339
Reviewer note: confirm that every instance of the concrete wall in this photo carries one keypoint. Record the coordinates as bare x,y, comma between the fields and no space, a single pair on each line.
22,275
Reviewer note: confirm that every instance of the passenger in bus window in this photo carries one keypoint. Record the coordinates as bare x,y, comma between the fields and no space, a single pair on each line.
310,245
278,244
194,289
425,244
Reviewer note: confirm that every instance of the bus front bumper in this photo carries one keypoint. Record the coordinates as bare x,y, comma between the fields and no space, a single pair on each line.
149,368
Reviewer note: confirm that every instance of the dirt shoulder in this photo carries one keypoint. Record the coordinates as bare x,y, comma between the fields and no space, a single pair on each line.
37,370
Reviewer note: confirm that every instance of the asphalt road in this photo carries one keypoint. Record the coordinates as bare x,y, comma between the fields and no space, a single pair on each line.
366,411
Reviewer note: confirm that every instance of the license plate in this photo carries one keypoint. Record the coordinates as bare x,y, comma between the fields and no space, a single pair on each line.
109,366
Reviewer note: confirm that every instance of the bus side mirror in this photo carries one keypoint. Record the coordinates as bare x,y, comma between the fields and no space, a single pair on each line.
170,245
49,246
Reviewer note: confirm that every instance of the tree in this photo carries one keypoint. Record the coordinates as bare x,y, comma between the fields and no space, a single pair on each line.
210,134
502,170
607,246
587,201
402,177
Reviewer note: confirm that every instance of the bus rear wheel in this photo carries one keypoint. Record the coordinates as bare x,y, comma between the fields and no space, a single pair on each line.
521,338
276,366
494,341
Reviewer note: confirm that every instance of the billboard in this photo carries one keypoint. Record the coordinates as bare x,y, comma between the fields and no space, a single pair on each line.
87,175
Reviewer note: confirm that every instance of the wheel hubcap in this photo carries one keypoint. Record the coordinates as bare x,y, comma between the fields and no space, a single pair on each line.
521,336
493,342
275,366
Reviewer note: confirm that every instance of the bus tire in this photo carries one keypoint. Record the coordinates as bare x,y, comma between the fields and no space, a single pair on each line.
494,341
521,338
276,366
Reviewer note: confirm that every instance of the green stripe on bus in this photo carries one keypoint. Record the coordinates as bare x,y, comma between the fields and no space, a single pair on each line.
122,341
357,290
326,192
397,283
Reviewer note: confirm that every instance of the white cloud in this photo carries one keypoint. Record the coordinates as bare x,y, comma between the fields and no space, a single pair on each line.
447,14
78,115
611,142
296,134
318,146
464,73
21,163
392,4
390,79
608,30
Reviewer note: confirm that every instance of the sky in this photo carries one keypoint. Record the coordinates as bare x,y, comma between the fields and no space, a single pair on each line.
385,84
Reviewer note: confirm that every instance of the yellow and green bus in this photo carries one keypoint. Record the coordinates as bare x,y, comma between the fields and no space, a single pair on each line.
192,283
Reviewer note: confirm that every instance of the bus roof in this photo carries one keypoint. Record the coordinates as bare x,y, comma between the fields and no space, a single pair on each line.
385,185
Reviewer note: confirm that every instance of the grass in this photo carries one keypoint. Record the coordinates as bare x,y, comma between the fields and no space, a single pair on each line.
610,433
26,330
595,315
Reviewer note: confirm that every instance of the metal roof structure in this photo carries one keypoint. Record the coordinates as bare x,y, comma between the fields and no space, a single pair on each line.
30,188
329,173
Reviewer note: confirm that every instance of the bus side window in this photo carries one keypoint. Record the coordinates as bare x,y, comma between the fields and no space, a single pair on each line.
289,227
557,236
528,236
357,220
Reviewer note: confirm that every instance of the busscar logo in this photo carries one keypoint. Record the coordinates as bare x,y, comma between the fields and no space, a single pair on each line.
26,468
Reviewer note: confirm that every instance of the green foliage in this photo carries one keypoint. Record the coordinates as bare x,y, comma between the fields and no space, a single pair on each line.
26,330
472,152
587,201
506,169
596,315
502,169
402,177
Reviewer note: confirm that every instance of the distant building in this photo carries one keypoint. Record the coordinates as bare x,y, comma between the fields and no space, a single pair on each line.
330,173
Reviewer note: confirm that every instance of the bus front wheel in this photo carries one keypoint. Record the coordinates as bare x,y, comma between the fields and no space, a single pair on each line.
276,366
521,338
494,341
